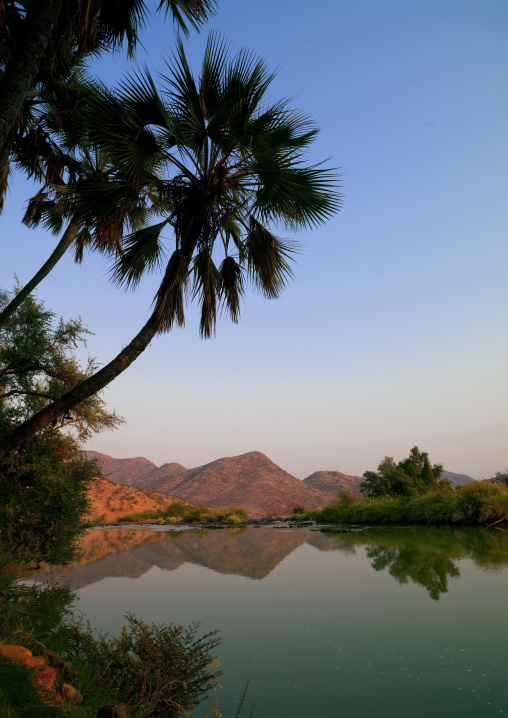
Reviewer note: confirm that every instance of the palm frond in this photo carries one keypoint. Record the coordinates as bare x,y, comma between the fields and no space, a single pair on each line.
268,259
294,195
188,13
232,287
206,286
142,252
169,300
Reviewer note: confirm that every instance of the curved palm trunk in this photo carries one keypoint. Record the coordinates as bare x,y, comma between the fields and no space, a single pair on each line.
63,245
82,391
37,30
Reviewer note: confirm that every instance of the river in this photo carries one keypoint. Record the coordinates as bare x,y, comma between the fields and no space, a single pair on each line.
375,623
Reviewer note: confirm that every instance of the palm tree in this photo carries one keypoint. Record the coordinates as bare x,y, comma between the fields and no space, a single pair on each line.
96,206
82,191
231,167
39,40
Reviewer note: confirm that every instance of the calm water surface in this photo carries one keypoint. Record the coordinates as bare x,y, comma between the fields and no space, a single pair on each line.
378,623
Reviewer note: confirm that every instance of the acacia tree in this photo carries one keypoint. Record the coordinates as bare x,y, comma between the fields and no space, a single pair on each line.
412,475
44,485
39,39
231,168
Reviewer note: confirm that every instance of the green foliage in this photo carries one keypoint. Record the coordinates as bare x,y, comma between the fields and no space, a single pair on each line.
157,670
239,511
413,475
44,499
38,365
44,483
188,513
298,510
11,573
176,509
19,698
478,502
32,615
346,496
500,477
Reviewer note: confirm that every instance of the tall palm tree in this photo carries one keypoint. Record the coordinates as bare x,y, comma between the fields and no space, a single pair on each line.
39,40
232,168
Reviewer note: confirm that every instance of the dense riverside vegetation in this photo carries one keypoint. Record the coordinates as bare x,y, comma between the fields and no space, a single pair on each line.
476,503
187,513
412,492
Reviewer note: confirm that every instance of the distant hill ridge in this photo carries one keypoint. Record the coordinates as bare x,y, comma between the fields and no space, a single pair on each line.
251,480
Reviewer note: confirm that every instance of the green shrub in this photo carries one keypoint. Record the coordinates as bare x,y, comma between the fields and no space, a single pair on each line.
176,509
137,517
481,501
239,511
156,670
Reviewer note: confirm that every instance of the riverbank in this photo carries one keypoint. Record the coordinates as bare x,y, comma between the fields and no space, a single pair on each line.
475,504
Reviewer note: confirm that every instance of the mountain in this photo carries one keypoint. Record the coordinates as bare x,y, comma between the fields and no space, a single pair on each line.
164,478
122,471
457,479
113,500
331,482
251,480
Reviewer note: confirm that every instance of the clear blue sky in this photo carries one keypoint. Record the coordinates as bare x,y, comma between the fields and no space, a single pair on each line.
395,330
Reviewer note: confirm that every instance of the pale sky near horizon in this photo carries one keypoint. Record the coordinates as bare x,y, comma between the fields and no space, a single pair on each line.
394,331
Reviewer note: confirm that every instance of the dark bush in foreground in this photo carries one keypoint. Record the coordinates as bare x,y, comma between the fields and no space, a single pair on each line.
157,670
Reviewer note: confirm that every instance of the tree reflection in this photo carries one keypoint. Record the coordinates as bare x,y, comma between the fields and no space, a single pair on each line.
428,556
426,568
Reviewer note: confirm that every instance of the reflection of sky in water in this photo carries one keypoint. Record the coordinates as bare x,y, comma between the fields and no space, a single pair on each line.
324,634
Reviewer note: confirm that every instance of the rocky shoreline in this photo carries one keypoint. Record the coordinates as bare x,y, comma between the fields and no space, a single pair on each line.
280,523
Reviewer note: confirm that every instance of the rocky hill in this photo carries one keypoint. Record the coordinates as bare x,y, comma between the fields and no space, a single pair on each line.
251,480
457,479
164,478
122,471
331,482
113,500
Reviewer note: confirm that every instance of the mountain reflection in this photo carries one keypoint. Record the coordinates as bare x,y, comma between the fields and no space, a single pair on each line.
132,552
425,556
